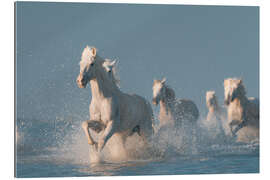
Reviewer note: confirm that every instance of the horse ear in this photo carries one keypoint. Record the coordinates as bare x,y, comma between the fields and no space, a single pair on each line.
163,80
94,51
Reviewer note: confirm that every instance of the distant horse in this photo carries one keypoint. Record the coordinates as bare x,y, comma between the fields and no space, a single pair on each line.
173,112
214,110
243,112
112,112
216,116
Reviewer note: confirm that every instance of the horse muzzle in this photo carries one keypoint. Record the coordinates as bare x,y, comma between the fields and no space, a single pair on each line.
80,82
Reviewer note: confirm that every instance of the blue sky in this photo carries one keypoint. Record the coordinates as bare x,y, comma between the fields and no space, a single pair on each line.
194,47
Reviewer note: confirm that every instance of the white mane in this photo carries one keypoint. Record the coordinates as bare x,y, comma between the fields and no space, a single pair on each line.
112,66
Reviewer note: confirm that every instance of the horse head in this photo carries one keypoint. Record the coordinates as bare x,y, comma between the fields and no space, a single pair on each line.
211,99
88,66
233,88
159,89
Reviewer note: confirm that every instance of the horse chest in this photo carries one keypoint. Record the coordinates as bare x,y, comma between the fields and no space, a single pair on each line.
166,117
235,111
102,110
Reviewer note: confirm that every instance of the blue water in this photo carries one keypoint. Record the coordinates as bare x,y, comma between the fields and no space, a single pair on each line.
60,150
42,167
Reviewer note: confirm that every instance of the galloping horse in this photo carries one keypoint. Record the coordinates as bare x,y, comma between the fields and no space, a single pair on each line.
216,116
172,111
111,111
243,112
214,110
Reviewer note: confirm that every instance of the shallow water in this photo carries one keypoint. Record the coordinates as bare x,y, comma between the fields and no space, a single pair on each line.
41,167
45,150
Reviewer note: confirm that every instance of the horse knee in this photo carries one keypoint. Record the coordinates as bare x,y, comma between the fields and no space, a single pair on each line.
85,125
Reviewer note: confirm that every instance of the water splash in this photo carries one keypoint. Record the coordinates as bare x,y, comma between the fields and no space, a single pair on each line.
63,142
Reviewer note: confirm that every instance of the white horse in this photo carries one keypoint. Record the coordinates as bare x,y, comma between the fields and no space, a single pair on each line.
112,112
214,110
243,112
216,116
172,111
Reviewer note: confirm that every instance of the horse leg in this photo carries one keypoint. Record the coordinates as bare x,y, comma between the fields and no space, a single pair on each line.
85,127
231,125
238,127
116,147
146,133
107,133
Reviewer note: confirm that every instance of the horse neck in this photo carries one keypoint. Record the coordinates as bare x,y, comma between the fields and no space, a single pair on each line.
166,111
102,87
214,108
243,100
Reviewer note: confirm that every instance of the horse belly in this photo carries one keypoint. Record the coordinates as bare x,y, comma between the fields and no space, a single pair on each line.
128,118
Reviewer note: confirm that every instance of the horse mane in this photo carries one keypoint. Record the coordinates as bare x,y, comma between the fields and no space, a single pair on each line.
115,77
242,89
169,92
86,57
103,74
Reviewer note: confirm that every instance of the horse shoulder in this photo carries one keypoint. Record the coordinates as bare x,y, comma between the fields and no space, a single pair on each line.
94,111
235,111
134,101
189,105
109,109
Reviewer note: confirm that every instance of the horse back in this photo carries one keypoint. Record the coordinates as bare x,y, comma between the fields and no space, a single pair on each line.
187,109
135,110
253,111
